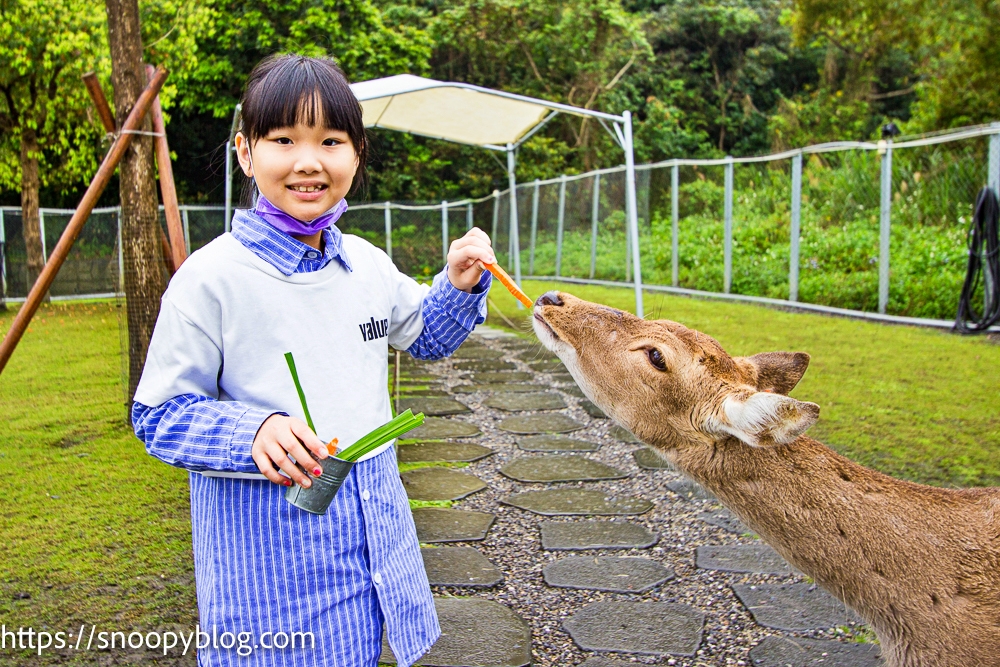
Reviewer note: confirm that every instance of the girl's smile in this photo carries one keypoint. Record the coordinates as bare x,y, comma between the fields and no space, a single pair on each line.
304,170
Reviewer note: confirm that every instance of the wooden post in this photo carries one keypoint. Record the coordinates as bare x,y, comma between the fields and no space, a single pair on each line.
72,231
168,192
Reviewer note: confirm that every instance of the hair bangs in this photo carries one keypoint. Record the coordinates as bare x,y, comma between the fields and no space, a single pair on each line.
285,90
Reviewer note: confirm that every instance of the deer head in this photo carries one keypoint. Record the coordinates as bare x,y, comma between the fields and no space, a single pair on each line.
634,369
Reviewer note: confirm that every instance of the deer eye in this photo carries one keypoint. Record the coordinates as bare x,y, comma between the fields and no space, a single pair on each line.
656,358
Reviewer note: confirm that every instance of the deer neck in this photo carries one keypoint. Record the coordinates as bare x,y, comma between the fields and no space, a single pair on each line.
875,542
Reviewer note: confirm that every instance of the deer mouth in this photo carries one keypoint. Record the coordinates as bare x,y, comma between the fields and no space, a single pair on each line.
540,319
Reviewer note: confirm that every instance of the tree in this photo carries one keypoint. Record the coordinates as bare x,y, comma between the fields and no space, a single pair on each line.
45,134
731,59
144,271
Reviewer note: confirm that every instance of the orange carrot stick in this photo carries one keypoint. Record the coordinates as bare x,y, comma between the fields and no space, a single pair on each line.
511,286
332,447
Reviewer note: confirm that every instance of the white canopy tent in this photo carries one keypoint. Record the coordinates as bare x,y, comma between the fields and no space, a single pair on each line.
491,119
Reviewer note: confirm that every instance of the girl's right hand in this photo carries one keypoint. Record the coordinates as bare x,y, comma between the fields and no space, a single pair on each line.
280,436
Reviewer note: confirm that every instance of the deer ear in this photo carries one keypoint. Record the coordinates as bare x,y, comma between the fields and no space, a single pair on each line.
778,371
766,419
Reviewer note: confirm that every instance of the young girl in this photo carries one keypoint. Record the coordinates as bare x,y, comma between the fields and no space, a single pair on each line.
216,396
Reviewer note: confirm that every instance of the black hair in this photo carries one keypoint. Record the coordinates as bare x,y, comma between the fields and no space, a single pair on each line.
284,90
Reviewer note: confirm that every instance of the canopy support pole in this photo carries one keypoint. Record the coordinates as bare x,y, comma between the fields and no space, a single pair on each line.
632,212
514,240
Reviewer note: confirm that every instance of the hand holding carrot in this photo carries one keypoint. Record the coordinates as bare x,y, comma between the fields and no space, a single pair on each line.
466,258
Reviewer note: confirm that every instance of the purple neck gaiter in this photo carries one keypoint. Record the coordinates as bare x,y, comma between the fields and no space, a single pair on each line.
283,222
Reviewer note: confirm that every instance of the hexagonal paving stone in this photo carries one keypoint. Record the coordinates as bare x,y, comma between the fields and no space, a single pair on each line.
485,365
793,606
476,352
474,633
801,652
577,502
547,366
647,459
459,566
502,376
440,484
601,661
608,574
536,353
436,428
409,392
582,535
724,519
433,406
555,443
442,524
690,489
441,451
756,558
531,424
591,409
515,402
622,435
565,468
496,388
649,628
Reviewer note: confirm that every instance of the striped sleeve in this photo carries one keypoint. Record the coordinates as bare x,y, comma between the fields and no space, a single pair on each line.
200,433
449,316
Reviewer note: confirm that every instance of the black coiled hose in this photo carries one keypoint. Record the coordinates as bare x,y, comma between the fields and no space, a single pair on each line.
984,267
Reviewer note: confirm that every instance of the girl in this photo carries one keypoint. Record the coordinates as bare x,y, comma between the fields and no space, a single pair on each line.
216,397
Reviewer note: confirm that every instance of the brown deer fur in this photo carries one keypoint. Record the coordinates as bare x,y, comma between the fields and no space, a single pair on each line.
920,564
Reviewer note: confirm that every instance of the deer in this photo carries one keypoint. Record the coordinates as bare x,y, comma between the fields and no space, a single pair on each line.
920,564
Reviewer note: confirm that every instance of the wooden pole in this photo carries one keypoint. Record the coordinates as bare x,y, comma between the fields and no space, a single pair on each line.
175,228
72,231
100,102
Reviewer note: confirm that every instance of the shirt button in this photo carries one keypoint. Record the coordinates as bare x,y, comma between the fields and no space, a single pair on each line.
377,578
312,255
365,495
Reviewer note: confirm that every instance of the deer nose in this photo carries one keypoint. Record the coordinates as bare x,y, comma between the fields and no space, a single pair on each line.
549,299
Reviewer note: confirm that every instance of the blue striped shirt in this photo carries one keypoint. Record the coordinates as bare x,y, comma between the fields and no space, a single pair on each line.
262,565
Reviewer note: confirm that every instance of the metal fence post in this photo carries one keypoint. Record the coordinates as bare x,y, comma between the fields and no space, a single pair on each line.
793,257
561,220
727,277
444,230
121,256
534,230
993,180
885,228
229,182
674,240
3,263
41,229
628,252
468,217
993,169
595,211
388,229
187,229
496,215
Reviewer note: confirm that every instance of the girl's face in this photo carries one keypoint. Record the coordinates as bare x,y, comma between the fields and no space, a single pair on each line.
302,170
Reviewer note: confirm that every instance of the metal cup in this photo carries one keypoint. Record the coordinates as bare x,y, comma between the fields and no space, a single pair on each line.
317,498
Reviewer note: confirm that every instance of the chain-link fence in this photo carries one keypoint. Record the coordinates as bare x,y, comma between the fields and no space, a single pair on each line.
871,228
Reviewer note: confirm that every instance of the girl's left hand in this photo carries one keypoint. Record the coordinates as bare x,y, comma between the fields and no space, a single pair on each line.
466,257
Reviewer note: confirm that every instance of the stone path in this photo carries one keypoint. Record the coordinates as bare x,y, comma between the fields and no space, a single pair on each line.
568,542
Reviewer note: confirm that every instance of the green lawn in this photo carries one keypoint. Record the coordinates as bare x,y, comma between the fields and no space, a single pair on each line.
95,531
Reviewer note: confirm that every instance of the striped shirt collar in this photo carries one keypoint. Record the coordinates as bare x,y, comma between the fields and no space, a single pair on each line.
287,254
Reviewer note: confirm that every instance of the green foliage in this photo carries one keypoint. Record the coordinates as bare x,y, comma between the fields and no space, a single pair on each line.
236,35
45,46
